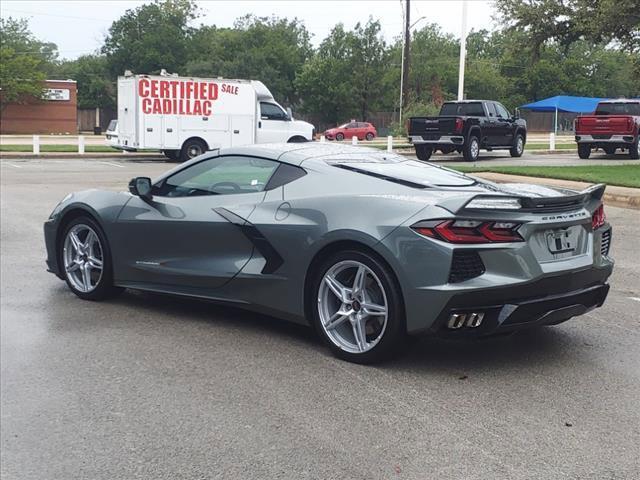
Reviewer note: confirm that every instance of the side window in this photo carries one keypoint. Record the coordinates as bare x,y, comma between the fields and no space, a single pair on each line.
219,176
285,174
352,125
491,108
271,111
502,112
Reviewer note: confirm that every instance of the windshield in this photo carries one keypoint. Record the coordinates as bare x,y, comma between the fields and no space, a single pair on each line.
112,126
467,109
620,108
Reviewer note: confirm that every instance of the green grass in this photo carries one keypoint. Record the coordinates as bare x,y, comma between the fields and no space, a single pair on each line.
58,148
621,175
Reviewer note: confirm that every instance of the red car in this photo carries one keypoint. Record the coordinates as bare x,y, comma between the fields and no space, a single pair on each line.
362,130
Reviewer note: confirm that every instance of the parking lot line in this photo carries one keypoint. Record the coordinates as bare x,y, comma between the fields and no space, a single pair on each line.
112,164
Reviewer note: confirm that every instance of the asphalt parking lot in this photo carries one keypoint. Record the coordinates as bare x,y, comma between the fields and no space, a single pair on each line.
149,386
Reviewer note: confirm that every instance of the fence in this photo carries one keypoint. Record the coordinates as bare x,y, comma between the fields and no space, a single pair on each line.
87,118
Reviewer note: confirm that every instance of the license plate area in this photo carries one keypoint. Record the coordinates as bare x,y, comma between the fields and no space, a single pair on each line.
555,244
562,240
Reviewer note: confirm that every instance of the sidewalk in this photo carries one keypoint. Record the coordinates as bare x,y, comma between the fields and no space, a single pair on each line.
624,197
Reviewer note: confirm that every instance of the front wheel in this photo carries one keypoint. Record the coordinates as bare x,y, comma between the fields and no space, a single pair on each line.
424,152
86,260
471,150
518,147
357,307
584,151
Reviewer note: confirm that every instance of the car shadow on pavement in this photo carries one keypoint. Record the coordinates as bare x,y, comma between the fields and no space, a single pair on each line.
429,355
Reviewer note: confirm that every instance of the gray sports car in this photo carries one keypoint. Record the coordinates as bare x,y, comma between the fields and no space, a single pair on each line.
366,246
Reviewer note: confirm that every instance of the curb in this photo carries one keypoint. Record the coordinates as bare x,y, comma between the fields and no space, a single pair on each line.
624,197
75,155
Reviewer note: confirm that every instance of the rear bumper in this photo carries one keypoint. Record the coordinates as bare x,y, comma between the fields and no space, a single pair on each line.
437,139
547,301
605,139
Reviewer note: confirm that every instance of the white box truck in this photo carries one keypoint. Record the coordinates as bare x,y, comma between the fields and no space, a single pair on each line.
184,117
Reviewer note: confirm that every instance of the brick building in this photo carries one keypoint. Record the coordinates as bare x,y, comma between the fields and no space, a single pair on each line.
55,113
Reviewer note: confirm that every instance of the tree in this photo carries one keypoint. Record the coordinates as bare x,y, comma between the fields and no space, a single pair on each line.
345,78
96,87
269,49
151,37
24,62
566,21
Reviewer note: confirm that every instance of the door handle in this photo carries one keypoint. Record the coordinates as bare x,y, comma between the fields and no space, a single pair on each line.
259,124
236,131
149,129
169,130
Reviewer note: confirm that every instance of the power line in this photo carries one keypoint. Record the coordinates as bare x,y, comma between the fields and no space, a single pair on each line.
56,15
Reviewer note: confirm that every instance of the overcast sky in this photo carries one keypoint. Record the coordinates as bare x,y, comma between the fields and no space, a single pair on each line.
79,27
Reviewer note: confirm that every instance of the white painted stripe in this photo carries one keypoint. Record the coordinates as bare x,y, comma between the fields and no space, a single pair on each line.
112,164
12,165
634,298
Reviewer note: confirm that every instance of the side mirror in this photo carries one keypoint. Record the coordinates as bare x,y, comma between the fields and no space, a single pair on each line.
140,187
516,115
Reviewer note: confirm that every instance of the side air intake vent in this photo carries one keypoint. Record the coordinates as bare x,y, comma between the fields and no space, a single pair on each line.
605,243
465,265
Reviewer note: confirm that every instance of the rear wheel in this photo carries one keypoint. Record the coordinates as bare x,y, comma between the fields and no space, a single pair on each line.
192,148
584,150
357,308
518,147
86,260
634,150
471,150
339,137
171,154
369,136
424,152
610,150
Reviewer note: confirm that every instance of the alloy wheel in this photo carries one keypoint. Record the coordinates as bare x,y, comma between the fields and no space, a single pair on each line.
353,306
520,145
83,258
474,148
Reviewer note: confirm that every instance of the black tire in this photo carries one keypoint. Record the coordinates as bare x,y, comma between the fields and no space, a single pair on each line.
339,137
517,149
424,152
394,334
584,151
471,150
610,150
104,288
171,154
192,148
634,150
369,136
297,139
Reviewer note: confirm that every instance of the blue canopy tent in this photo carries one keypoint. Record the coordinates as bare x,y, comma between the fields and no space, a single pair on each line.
563,103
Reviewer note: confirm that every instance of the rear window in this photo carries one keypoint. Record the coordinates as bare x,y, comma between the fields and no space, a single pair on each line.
620,108
470,109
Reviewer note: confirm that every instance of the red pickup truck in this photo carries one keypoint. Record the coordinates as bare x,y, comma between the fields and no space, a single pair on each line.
614,125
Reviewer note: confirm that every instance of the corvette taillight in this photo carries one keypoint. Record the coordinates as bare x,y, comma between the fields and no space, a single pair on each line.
469,231
598,218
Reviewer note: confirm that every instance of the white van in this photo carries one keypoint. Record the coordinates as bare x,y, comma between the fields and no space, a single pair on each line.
185,117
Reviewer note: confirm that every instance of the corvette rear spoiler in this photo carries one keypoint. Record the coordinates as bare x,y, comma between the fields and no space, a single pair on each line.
568,200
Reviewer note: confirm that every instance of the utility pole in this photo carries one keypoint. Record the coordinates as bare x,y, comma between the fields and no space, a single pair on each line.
463,51
404,77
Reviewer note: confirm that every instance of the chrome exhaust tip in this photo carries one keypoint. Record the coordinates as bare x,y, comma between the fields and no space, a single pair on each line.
474,319
456,320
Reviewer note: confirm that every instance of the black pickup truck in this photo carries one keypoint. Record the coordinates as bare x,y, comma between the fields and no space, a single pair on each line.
467,127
